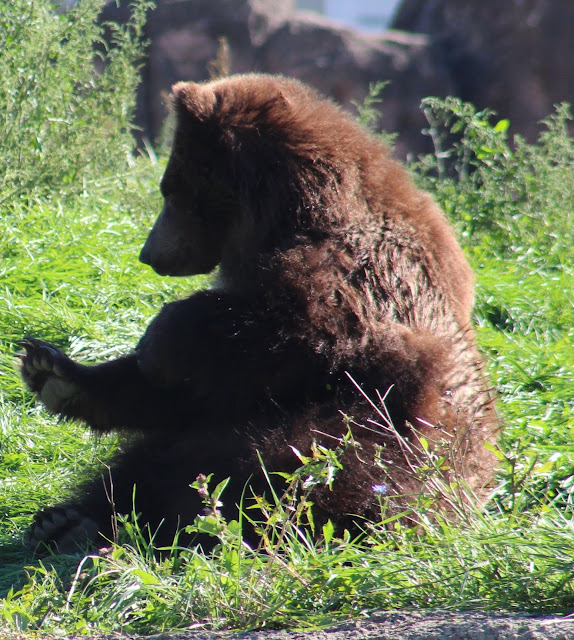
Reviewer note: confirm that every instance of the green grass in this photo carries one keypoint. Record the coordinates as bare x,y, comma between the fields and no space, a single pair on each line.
69,273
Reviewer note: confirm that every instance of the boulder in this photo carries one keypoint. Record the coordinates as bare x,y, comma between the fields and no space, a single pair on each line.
513,56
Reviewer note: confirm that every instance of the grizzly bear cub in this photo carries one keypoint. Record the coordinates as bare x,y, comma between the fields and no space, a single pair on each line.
339,283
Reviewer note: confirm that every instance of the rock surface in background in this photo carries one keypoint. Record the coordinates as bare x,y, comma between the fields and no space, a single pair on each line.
513,56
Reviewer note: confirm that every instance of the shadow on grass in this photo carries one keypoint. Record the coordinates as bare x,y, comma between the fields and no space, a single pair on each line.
19,565
14,558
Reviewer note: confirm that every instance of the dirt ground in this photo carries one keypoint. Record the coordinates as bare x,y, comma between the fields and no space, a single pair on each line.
417,625
403,625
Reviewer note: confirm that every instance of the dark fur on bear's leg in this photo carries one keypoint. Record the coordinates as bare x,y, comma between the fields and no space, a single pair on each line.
151,475
150,478
331,262
178,422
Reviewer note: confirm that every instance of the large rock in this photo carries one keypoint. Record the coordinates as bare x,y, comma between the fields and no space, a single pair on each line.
513,56
265,36
184,38
338,61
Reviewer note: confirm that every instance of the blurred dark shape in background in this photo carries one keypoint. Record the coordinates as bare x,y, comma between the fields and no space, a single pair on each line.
513,56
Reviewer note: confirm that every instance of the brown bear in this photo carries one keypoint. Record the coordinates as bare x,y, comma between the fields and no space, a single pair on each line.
338,283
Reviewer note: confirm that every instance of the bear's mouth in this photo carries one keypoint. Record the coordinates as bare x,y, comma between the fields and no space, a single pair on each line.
173,268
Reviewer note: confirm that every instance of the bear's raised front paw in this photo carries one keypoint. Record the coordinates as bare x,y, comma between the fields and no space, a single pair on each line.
64,529
48,372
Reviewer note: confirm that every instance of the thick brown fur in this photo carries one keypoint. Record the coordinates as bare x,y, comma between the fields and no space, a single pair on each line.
334,271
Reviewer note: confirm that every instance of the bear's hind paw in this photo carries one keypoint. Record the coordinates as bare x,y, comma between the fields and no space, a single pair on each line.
62,529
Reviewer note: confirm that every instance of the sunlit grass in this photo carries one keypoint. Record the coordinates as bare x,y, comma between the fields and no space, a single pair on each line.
69,274
73,277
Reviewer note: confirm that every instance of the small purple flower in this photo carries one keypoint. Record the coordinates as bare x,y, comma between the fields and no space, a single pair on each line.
380,489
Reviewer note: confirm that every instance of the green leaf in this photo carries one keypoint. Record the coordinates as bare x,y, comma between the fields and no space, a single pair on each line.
501,126
328,531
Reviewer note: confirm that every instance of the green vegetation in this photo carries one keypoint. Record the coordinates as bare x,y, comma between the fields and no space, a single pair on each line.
76,207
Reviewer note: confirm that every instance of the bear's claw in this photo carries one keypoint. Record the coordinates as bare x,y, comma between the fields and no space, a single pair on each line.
48,372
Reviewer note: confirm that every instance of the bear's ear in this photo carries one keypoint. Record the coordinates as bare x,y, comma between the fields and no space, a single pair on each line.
196,100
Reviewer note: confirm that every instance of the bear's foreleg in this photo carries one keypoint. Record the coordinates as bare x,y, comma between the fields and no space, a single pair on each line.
211,357
108,396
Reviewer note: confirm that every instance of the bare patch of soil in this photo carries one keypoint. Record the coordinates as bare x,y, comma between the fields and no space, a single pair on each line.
404,625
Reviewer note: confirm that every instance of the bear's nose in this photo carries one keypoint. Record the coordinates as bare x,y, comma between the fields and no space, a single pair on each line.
145,256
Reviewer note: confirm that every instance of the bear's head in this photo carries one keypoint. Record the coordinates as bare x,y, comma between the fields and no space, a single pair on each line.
248,166
199,205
